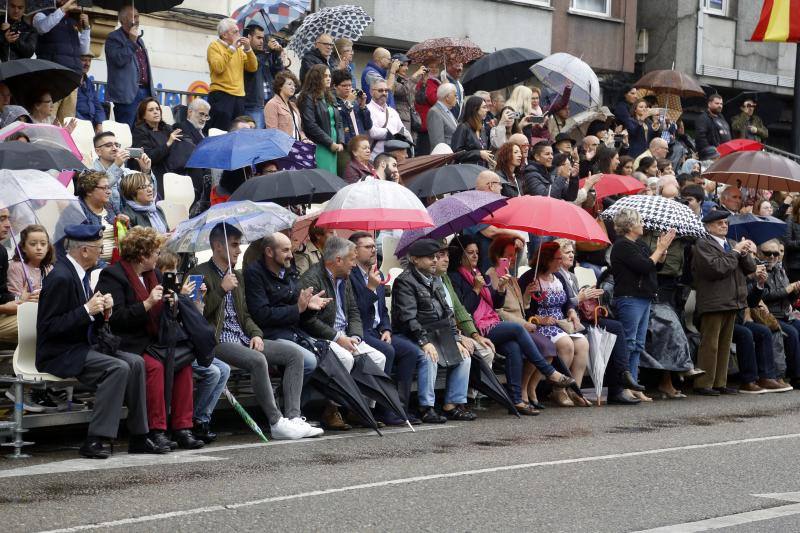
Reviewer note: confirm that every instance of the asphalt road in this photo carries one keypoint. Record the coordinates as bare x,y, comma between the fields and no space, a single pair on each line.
591,469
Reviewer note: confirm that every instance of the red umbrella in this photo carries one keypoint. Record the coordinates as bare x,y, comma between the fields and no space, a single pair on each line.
739,145
613,184
543,215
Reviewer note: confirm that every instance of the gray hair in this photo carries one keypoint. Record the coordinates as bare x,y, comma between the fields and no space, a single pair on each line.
565,243
336,247
198,104
625,220
375,81
482,94
444,90
225,25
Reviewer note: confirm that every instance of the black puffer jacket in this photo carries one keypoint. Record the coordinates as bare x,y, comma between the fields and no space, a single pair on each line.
415,304
538,181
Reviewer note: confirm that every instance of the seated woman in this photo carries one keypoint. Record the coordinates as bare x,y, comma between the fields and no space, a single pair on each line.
618,376
140,203
139,300
510,338
360,165
155,137
545,294
94,194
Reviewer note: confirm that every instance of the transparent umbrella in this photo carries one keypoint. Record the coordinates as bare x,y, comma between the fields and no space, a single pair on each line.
601,344
558,70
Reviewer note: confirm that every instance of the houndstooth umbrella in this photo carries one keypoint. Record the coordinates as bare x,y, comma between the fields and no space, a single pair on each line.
341,22
449,49
660,214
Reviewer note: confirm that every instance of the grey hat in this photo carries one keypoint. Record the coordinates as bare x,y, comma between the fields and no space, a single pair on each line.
395,144
425,247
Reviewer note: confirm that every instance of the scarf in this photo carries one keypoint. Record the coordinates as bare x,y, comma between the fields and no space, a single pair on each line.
485,316
152,214
142,292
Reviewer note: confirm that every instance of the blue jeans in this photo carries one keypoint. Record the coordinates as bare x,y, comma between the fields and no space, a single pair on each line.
126,113
257,114
634,313
515,343
457,380
210,384
791,345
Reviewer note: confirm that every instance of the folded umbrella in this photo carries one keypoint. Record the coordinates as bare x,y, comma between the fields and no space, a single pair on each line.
291,187
739,145
447,179
601,344
614,184
758,229
483,379
25,76
244,414
756,170
241,148
660,214
376,385
500,69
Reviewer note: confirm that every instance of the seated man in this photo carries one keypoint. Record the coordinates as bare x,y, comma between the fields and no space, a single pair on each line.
401,354
339,322
241,342
66,317
417,304
386,167
111,159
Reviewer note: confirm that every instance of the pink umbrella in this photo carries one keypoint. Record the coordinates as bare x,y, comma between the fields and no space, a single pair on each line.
49,135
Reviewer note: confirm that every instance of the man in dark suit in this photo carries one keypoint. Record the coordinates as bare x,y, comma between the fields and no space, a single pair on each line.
197,114
401,354
68,312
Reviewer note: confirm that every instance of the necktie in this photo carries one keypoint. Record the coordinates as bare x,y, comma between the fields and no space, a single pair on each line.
727,247
87,287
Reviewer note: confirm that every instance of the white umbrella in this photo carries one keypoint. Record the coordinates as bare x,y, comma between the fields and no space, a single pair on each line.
558,70
577,125
601,344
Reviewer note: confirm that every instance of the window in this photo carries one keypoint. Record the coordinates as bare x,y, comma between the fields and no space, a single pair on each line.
545,3
595,7
719,7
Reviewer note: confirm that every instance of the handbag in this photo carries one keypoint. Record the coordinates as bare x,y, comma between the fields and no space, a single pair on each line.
440,334
588,309
416,120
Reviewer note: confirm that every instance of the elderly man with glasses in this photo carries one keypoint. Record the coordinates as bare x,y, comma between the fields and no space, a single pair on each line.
321,54
111,159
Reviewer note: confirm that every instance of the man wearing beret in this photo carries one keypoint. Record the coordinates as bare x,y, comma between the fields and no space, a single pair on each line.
720,267
419,310
64,330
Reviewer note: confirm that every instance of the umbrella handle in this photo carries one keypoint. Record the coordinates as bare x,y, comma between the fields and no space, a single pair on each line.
599,310
227,254
22,262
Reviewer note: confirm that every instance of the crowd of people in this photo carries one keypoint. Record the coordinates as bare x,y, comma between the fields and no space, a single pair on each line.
456,299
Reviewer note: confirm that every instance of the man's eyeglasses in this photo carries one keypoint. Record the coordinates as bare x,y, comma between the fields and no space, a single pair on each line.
380,90
368,246
109,145
771,254
324,44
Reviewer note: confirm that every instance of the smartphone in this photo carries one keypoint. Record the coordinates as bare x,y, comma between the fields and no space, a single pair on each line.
135,153
536,120
502,268
198,280
170,282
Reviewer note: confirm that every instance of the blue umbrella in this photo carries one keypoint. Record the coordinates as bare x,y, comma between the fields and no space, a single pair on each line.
240,149
756,228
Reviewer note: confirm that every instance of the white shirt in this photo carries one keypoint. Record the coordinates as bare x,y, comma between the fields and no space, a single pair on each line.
382,124
81,274
377,319
719,240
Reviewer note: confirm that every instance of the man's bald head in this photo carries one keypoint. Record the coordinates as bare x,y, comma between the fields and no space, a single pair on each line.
659,148
324,44
382,57
522,141
590,143
488,181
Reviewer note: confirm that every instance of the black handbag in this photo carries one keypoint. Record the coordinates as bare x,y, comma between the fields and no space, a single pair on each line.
440,334
174,348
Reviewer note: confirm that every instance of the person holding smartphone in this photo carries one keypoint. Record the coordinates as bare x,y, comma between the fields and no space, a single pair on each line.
17,37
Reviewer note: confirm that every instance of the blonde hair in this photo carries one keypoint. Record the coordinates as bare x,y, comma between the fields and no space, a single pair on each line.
520,100
565,243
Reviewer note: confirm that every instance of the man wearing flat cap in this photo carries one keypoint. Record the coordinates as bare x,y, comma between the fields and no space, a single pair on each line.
422,314
69,313
720,267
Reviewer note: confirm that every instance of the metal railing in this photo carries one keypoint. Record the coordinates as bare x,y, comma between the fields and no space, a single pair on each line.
167,97
789,155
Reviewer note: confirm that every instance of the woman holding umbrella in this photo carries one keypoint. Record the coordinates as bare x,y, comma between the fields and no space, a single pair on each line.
139,301
156,137
360,165
470,135
321,122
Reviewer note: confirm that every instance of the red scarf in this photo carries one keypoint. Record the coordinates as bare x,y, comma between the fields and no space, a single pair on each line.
142,292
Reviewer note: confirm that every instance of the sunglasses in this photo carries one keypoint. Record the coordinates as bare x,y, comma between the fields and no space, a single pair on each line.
771,254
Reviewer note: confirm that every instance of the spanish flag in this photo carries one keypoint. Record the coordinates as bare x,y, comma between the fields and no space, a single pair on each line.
779,22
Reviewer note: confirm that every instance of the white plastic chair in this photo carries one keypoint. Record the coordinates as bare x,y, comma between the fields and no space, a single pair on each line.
178,189
121,131
174,212
83,135
389,260
213,132
166,115
586,276
24,360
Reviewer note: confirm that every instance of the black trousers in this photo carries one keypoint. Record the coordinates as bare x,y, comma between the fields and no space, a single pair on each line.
224,108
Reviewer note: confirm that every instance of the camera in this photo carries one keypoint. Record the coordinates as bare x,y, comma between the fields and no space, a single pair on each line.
516,116
359,93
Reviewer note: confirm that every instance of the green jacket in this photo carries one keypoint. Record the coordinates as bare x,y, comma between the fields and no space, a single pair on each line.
673,264
740,127
463,319
214,310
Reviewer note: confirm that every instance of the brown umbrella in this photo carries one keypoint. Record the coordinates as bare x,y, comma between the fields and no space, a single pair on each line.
756,170
417,165
670,81
445,48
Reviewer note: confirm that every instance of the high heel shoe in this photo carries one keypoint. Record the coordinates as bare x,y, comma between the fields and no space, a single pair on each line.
562,383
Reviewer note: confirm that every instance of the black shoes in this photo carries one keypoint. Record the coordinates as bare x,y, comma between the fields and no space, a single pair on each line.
186,440
143,444
429,416
622,399
160,439
706,391
202,431
96,448
460,413
629,383
727,390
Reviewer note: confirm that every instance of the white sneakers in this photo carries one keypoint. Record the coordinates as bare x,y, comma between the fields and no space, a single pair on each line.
296,428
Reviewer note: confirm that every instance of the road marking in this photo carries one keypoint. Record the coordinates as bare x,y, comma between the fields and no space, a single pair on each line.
737,519
124,460
415,479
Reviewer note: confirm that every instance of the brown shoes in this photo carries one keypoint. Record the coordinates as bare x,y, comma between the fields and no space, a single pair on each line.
773,385
332,419
751,388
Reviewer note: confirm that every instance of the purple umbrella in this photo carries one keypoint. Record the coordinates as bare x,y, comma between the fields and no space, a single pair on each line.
302,156
452,214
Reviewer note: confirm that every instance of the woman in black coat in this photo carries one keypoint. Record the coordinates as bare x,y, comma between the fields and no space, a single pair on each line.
792,242
155,137
322,123
470,135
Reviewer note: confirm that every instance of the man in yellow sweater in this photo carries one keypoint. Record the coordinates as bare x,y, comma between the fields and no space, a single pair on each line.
228,58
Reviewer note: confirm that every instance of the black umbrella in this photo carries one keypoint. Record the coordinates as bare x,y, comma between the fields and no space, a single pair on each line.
23,76
16,155
483,379
500,69
450,178
376,385
333,380
290,187
142,6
